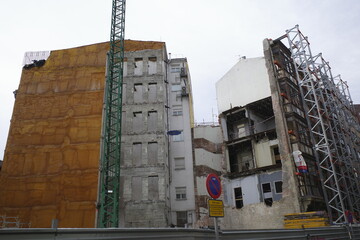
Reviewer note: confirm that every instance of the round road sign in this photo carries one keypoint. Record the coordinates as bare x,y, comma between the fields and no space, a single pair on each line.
213,185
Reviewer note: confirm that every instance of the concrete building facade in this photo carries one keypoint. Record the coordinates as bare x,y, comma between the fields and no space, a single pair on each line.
181,120
50,168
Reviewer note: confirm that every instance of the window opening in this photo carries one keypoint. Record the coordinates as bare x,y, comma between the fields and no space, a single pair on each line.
239,203
179,163
180,193
267,194
181,218
278,187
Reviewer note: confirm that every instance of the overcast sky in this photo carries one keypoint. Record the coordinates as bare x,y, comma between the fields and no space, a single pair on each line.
211,34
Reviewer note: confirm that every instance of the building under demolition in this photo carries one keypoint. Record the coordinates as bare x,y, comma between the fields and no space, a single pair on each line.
51,161
287,140
291,137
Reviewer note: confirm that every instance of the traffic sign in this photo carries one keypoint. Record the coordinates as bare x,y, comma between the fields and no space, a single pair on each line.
213,185
216,208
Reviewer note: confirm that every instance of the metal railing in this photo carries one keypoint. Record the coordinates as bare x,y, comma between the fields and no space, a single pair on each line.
324,233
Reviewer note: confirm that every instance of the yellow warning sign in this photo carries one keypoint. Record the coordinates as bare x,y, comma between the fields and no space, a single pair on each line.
216,208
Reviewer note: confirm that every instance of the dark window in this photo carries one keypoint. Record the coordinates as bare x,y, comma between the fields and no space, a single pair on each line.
278,187
181,218
238,197
276,155
267,194
266,187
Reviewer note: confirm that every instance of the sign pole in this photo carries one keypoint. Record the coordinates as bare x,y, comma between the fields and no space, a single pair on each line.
216,228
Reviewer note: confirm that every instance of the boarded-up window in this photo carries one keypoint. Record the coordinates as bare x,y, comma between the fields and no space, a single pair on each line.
152,65
137,154
152,92
138,71
138,93
125,68
122,156
123,121
138,122
153,190
152,121
181,218
136,188
239,203
124,93
152,152
180,193
179,163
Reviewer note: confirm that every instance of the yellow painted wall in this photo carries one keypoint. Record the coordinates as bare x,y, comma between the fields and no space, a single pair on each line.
50,168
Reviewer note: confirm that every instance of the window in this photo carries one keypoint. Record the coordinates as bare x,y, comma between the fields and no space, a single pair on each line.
276,154
123,120
153,187
138,122
177,79
278,187
177,112
152,65
124,93
136,188
181,218
137,153
178,138
138,66
138,93
175,69
267,194
152,121
152,152
176,88
179,163
180,193
152,92
238,197
125,67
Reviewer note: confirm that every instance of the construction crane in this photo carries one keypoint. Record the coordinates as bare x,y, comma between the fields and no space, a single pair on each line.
109,175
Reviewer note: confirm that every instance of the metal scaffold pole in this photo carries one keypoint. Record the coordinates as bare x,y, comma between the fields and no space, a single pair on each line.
109,179
332,126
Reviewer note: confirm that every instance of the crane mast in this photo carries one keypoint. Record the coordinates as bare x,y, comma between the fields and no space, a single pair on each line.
109,175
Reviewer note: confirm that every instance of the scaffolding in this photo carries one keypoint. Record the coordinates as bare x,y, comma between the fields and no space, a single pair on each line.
333,128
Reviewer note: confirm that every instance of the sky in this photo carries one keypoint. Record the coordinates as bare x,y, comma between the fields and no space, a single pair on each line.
211,34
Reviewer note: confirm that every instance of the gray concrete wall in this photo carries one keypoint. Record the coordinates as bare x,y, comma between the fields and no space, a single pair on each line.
144,170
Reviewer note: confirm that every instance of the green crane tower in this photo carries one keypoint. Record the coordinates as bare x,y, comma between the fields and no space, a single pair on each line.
109,175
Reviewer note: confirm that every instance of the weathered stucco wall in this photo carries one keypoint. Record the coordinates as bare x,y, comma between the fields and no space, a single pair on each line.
50,168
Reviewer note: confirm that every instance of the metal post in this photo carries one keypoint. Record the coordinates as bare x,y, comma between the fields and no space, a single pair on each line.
216,228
